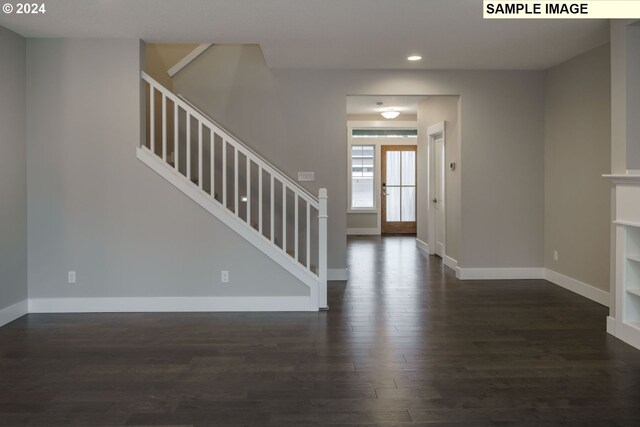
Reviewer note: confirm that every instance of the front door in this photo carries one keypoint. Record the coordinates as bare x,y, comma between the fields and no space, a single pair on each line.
398,189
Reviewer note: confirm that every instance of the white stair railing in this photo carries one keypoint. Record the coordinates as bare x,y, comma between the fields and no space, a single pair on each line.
253,197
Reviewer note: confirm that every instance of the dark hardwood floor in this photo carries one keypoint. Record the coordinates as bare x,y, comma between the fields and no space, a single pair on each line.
404,342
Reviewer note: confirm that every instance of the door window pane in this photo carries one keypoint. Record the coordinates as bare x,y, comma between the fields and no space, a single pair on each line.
408,203
408,168
400,185
393,203
393,168
362,163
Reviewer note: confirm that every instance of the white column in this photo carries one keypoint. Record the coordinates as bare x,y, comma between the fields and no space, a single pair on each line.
322,248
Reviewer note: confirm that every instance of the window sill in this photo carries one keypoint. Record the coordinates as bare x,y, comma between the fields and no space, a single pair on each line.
363,211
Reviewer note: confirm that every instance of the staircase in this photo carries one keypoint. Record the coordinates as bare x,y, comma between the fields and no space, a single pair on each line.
239,187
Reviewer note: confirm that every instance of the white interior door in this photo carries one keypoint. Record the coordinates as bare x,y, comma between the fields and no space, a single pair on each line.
438,201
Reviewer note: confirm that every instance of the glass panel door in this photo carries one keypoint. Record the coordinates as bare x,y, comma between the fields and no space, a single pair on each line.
399,188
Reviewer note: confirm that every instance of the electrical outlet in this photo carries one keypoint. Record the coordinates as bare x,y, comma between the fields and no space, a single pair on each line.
224,276
71,276
555,255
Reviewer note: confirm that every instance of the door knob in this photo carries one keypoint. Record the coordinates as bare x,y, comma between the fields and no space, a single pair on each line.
435,200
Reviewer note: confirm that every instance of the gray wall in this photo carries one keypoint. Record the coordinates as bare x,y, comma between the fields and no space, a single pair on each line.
13,169
362,220
431,111
296,119
94,208
577,153
632,44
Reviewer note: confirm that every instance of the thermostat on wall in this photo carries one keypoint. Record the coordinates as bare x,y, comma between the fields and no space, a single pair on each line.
306,176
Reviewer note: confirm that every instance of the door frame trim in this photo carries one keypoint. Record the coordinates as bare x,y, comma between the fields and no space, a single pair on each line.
434,131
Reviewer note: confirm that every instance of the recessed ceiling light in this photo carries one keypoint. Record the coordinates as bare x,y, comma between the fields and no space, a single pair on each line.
414,58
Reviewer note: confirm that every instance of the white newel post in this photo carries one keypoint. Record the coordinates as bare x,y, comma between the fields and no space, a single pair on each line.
322,248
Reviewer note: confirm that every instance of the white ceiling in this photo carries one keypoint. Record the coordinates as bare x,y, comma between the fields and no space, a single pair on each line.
368,104
353,34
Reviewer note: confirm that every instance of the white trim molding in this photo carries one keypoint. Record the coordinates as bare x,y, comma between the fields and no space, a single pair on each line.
569,283
500,273
13,312
452,264
422,246
191,56
628,333
337,274
446,260
170,304
580,288
362,232
611,325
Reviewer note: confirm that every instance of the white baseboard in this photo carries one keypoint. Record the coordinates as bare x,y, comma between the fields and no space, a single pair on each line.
422,245
13,312
500,273
580,288
628,333
169,304
337,274
362,232
611,325
451,263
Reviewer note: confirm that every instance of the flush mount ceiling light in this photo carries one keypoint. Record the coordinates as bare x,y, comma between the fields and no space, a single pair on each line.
390,114
414,58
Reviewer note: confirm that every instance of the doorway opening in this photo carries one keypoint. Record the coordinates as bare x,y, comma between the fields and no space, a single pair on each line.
437,207
382,180
404,171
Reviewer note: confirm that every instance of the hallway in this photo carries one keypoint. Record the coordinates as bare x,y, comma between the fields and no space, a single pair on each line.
403,342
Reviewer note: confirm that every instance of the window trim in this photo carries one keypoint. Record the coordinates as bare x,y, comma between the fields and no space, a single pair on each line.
373,208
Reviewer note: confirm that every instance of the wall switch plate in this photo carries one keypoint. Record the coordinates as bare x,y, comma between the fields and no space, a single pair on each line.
555,255
306,176
224,276
71,276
